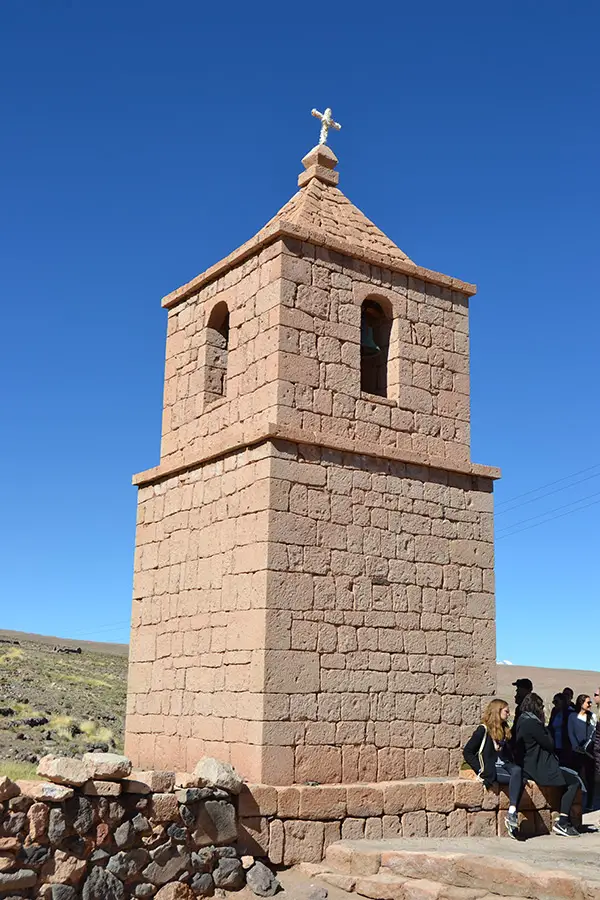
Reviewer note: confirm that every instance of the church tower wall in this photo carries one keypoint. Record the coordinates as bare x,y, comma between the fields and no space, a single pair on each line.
313,595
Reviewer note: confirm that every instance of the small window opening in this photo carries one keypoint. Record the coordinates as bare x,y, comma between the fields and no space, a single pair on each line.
375,329
217,346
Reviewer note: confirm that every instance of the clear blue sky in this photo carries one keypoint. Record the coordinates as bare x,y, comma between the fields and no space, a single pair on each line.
145,140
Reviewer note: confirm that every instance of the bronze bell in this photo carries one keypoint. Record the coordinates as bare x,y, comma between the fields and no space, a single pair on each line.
368,346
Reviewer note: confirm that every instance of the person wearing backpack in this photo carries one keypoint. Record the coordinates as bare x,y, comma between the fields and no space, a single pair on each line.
488,752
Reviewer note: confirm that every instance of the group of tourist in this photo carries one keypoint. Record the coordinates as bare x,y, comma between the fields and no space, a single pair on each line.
565,753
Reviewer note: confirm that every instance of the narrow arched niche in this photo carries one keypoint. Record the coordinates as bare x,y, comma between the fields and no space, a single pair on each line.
217,347
375,330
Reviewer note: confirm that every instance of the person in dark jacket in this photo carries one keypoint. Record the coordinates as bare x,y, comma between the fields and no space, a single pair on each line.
568,694
558,726
488,752
597,736
523,687
535,749
582,730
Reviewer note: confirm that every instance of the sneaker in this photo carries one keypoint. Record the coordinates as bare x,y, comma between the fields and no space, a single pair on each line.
565,830
512,824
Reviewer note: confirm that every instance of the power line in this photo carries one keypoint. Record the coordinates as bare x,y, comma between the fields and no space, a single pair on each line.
113,627
548,484
549,512
537,524
547,494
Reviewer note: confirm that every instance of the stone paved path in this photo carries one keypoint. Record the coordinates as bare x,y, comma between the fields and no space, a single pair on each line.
467,868
576,855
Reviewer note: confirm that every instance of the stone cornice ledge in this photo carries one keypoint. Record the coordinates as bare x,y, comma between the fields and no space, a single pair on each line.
271,432
319,238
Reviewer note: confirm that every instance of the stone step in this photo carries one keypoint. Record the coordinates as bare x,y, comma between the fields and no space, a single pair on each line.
392,887
385,886
467,869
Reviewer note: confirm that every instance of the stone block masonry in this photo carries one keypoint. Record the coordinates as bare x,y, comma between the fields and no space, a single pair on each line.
313,593
315,616
294,359
299,823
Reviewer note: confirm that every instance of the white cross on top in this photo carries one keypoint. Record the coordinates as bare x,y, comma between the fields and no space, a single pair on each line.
326,123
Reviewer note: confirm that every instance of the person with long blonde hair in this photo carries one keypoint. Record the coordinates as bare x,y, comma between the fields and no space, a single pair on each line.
488,752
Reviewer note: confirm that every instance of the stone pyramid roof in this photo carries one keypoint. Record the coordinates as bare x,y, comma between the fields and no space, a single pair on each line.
323,207
320,214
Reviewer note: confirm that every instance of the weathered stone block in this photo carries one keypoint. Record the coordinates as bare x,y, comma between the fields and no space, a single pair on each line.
177,891
323,802
164,808
94,788
215,823
439,796
481,824
303,842
365,800
45,791
107,766
63,770
149,782
402,797
17,881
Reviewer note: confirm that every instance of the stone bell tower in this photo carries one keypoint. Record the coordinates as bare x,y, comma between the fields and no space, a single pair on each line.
314,586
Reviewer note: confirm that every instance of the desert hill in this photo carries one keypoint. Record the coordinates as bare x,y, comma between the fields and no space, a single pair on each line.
59,702
69,702
48,639
546,682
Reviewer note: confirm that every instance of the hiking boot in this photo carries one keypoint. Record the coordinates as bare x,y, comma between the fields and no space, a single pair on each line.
512,824
565,830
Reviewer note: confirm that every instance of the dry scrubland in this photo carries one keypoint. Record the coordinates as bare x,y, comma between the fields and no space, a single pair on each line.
69,703
58,702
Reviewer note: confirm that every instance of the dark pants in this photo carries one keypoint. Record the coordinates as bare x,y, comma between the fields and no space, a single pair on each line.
512,775
585,766
565,758
573,783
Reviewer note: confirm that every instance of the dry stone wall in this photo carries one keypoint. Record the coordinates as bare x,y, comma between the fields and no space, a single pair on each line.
99,831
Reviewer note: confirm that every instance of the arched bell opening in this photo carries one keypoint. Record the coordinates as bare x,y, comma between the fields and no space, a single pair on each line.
217,347
375,330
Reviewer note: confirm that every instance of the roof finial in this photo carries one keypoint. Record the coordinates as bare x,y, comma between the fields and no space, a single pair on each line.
326,123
